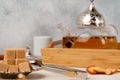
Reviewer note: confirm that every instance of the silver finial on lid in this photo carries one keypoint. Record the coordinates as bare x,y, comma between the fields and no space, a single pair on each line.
91,17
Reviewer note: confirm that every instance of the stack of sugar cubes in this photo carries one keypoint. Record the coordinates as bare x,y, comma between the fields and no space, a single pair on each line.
15,61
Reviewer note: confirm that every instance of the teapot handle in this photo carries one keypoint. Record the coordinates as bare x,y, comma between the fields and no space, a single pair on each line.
54,43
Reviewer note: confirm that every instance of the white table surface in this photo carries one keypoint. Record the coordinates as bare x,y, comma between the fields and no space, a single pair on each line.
54,75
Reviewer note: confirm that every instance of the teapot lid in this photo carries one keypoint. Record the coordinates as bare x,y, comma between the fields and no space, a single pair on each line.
91,17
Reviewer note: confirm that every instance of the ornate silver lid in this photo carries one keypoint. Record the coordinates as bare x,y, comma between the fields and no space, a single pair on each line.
91,17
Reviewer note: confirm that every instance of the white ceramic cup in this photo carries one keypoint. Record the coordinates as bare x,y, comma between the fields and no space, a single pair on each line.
40,42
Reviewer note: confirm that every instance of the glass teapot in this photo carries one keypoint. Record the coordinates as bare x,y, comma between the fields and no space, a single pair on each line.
90,32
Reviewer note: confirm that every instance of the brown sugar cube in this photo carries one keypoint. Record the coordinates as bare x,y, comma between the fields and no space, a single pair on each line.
4,67
10,62
24,67
9,54
18,61
13,68
20,53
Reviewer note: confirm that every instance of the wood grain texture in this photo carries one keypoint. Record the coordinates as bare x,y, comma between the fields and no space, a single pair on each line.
118,45
81,58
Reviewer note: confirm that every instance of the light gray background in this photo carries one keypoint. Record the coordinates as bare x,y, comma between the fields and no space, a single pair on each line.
21,20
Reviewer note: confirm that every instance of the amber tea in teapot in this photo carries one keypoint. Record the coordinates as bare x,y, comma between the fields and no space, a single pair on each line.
94,42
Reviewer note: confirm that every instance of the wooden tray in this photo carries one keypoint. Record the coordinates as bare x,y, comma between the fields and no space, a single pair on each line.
81,58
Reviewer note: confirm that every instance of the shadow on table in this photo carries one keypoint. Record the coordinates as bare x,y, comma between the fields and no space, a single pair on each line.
35,76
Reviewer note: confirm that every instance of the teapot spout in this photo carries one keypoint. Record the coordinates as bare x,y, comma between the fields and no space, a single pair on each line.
65,31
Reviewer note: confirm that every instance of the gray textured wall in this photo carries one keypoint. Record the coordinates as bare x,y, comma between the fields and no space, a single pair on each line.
20,20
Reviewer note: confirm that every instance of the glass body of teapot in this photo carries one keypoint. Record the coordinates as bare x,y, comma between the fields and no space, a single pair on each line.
91,38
